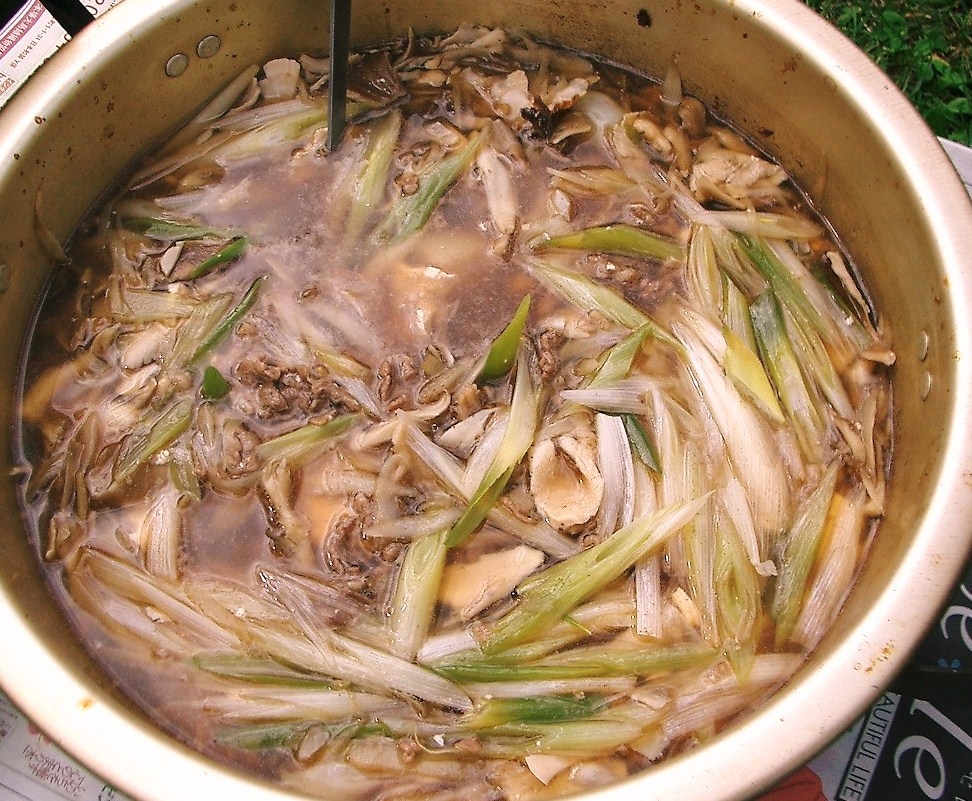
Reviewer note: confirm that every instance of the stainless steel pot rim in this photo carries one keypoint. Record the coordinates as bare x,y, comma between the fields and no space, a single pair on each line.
120,746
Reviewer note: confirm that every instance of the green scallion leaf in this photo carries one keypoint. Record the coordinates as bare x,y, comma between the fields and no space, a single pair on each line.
173,231
502,353
214,386
264,736
617,363
235,315
799,552
549,596
517,439
294,445
411,212
641,444
538,709
233,250
616,240
150,437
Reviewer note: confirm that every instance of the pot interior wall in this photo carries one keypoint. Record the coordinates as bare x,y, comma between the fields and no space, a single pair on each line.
120,102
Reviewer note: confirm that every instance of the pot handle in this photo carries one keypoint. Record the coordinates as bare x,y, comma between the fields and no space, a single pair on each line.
72,15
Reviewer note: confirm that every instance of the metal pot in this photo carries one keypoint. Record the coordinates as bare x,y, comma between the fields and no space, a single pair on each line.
803,92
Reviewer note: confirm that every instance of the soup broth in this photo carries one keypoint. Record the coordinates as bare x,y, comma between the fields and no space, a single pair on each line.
524,440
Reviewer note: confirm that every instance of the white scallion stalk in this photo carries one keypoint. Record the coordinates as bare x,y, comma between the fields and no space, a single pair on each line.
416,592
367,190
218,106
702,274
707,711
197,328
818,365
588,738
126,618
648,597
678,481
317,649
589,296
618,360
734,502
784,368
697,560
647,573
130,305
298,703
285,130
442,646
448,471
735,312
836,566
760,223
521,427
368,667
740,362
154,432
160,538
622,397
152,592
617,469
699,710
738,589
484,455
842,324
411,212
634,161
749,443
799,554
304,443
590,180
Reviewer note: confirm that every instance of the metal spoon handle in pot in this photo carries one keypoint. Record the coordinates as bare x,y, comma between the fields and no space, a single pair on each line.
338,82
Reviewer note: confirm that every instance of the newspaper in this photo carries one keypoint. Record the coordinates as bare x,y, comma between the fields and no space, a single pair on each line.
903,748
30,37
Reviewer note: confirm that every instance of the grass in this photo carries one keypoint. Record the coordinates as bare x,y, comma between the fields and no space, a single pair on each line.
924,46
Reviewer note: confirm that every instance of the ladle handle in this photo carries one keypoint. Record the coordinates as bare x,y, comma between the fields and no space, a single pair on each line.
72,15
338,81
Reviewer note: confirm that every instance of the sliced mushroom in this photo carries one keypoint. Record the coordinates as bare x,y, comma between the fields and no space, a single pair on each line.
470,587
566,485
